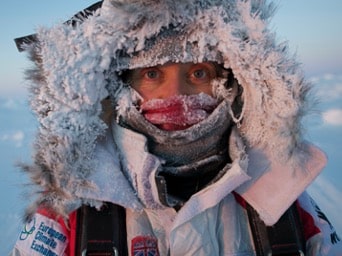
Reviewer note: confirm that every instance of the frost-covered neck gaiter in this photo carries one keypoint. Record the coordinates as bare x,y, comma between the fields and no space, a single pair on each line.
192,157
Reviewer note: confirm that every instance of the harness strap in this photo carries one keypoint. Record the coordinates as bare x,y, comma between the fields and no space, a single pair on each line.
101,232
285,238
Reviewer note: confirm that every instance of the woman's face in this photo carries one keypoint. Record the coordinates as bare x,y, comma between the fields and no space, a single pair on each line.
164,81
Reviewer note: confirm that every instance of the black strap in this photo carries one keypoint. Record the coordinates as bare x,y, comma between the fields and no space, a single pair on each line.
285,238
101,232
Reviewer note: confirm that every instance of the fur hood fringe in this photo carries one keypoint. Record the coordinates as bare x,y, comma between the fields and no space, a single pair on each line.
78,67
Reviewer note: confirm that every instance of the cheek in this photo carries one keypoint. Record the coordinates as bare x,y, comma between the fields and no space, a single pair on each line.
145,93
147,96
207,89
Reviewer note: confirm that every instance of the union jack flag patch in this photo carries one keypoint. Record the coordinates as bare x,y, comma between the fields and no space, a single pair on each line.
145,246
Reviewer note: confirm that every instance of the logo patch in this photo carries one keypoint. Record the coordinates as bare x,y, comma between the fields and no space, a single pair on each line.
42,236
145,246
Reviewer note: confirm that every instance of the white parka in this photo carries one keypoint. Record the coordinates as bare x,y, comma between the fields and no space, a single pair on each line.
212,222
79,157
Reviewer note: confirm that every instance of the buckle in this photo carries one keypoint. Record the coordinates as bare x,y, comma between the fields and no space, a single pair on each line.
98,253
100,248
297,253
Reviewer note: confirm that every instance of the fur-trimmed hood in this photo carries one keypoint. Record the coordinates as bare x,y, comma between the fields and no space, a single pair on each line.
78,67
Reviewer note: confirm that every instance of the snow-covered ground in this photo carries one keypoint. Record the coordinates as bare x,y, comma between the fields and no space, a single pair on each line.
17,129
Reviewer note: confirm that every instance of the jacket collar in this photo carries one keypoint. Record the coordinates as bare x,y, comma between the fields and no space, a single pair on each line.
280,184
257,179
109,184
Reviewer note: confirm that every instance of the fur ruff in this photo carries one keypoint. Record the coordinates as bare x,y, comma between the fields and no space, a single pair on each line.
78,67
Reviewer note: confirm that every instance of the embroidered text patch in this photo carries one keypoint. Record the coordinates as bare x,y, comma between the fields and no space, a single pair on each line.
42,236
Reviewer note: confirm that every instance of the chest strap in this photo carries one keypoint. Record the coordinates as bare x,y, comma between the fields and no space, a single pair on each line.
101,232
285,238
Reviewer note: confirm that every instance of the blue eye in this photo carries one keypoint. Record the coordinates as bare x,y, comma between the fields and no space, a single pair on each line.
199,73
152,74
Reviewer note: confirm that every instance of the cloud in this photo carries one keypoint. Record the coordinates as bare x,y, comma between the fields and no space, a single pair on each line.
333,117
328,86
9,104
333,92
16,137
329,76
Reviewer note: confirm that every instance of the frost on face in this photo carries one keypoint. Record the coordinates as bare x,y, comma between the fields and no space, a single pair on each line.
178,112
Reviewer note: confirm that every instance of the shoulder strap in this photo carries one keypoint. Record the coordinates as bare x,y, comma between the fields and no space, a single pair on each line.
283,238
101,232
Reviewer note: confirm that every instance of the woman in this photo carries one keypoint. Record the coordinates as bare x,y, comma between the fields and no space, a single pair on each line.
203,123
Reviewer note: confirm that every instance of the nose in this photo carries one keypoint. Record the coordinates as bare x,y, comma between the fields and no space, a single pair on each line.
175,84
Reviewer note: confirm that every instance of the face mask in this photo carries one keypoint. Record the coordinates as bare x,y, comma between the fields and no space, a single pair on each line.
178,112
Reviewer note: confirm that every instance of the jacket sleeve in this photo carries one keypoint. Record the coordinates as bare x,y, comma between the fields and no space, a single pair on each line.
45,234
320,235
